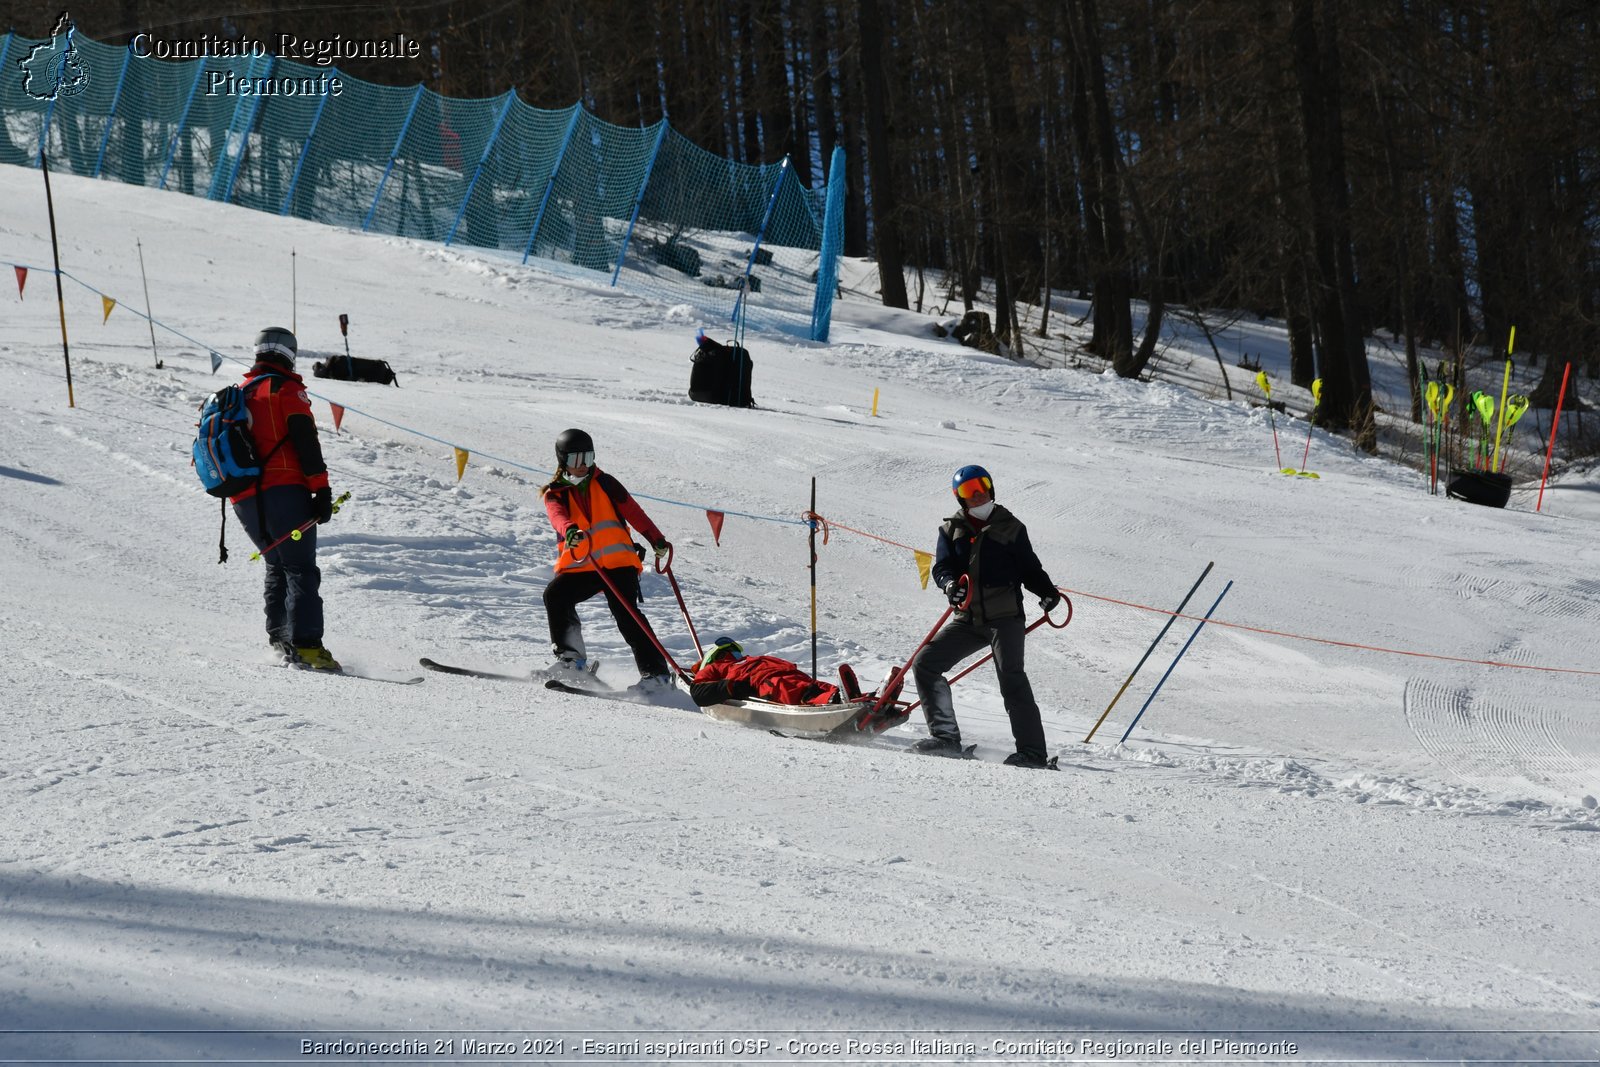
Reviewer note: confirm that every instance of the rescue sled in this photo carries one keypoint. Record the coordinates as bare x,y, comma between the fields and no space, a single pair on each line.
837,721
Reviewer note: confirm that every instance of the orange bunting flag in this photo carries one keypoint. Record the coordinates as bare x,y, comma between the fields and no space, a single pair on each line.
22,279
715,519
338,415
108,303
461,462
924,566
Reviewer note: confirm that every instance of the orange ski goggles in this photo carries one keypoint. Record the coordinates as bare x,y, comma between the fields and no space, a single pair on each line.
975,487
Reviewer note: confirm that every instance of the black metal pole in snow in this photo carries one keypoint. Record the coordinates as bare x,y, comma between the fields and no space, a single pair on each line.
813,549
147,317
55,250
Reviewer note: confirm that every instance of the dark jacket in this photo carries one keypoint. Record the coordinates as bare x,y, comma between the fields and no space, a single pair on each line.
996,557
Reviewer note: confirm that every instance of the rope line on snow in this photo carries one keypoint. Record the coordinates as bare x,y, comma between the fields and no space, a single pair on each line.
1331,641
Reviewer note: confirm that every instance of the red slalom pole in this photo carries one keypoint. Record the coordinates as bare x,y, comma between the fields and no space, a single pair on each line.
1553,424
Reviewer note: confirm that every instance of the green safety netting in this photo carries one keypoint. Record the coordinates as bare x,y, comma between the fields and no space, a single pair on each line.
640,207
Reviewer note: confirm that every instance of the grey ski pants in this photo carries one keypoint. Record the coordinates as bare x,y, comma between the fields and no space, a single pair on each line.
960,638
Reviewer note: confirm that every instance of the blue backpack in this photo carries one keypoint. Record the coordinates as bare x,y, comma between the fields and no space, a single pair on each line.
225,451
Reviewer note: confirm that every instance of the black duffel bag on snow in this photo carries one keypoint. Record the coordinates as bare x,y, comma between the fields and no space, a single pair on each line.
346,369
721,374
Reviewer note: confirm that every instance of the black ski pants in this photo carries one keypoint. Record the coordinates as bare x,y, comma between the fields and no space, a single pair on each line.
294,582
566,591
960,638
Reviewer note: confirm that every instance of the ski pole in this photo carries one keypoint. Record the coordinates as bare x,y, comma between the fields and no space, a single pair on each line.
1152,648
294,534
1175,660
1266,387
643,625
1040,621
667,570
897,679
1316,402
344,328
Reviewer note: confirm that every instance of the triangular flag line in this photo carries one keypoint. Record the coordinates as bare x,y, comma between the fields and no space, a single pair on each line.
924,565
22,279
715,519
216,361
461,462
338,416
108,303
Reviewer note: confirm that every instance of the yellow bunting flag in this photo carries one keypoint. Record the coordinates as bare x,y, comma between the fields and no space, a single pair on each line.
22,279
461,462
338,417
108,303
924,566
715,519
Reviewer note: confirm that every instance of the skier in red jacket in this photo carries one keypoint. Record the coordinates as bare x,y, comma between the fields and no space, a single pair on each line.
293,490
727,674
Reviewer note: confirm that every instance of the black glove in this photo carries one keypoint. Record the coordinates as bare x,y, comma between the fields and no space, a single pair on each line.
739,689
1049,601
322,504
956,593
574,535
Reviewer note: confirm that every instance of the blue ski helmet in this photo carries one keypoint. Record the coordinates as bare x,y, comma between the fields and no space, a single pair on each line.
967,475
720,646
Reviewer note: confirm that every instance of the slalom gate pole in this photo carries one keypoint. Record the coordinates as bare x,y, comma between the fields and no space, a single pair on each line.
1311,419
294,534
1430,454
897,679
611,587
152,322
1554,422
294,295
344,328
1179,656
1266,387
1516,407
812,544
55,250
1136,667
667,570
1040,621
1500,419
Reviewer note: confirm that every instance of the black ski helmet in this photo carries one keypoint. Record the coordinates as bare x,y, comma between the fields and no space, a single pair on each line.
277,341
569,442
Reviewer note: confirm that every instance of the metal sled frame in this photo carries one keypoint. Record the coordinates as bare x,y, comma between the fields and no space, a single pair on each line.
817,720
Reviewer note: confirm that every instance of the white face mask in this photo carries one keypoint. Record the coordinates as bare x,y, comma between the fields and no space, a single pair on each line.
982,511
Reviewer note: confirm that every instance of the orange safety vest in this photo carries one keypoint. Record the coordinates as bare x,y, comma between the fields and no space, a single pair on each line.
608,542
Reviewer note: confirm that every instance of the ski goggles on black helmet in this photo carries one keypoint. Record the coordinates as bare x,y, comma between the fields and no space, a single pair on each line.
721,645
572,460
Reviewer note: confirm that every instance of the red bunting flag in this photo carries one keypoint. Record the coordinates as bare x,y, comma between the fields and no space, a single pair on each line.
338,415
22,279
715,519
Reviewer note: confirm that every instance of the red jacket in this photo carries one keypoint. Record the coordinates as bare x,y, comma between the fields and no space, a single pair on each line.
768,677
282,424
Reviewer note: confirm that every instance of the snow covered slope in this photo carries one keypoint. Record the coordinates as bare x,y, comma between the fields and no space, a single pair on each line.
1299,836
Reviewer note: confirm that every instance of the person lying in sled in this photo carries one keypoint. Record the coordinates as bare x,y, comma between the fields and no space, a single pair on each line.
726,673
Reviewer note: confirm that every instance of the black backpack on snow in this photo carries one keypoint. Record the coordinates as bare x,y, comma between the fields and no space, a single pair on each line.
721,374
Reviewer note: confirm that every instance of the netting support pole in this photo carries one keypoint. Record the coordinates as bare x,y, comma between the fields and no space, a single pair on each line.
394,155
111,115
550,182
248,108
828,257
294,182
638,202
44,132
183,120
749,264
483,160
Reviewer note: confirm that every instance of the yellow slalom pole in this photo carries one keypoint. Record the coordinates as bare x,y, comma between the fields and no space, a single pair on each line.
874,403
1500,422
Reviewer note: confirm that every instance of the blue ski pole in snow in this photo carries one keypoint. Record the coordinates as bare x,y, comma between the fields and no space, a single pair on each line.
1181,651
